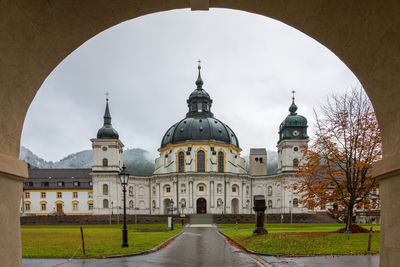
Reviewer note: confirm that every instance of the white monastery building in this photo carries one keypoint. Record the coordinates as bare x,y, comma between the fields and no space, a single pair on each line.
199,170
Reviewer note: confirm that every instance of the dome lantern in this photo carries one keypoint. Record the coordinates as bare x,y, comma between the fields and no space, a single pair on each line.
199,102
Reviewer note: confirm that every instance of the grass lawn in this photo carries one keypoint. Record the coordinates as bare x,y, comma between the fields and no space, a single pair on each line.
299,227
64,241
305,241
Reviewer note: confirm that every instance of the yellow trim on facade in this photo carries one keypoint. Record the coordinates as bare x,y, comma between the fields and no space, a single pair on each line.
27,203
88,203
221,150
43,203
77,203
177,160
205,158
191,143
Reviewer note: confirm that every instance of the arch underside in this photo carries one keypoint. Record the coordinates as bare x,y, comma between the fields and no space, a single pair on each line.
37,35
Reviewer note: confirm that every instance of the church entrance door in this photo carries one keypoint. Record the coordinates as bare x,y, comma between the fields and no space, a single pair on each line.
59,208
201,206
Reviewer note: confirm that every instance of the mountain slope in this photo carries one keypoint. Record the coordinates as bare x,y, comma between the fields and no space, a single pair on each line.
138,161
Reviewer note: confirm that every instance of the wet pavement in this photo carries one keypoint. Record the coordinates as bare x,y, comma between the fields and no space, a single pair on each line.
326,261
197,246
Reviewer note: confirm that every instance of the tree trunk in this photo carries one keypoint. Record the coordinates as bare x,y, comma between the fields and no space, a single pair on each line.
349,220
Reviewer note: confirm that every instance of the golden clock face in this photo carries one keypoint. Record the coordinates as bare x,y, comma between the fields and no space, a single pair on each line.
295,133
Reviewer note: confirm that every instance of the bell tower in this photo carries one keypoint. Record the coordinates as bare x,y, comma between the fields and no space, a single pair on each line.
293,139
107,148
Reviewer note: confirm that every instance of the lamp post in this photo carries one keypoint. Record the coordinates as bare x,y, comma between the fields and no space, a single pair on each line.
124,176
172,215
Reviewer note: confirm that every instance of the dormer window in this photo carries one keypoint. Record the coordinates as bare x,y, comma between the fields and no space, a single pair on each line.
76,183
45,184
60,184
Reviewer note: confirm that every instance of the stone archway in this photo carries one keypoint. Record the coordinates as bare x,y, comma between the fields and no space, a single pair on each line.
201,205
37,35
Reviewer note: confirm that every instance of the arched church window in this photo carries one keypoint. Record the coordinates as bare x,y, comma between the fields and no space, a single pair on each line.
105,203
201,164
269,204
295,203
181,162
295,163
131,204
221,161
105,189
131,190
269,190
261,160
105,162
153,204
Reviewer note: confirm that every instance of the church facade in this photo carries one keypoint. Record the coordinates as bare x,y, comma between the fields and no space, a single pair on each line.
199,168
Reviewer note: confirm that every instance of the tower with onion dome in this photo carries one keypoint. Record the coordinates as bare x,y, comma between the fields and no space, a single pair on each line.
293,139
107,163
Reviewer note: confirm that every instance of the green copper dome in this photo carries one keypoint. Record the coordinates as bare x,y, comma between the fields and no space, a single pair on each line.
107,131
294,126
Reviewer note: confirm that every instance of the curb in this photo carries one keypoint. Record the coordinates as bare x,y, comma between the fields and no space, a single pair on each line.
157,248
251,253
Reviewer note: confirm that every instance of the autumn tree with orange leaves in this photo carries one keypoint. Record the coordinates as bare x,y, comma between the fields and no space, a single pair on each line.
337,165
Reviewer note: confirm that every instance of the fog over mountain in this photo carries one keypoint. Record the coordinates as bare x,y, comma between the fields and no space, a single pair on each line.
138,161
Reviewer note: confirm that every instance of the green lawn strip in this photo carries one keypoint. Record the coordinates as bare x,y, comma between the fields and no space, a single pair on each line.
65,242
299,227
119,226
305,243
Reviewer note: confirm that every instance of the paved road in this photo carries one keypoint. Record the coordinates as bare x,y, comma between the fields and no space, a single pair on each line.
198,246
326,261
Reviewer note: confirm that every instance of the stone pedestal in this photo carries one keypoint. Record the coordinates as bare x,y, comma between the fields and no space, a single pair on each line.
12,174
388,174
259,208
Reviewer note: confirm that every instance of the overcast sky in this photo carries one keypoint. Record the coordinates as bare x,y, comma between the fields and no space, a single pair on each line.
250,65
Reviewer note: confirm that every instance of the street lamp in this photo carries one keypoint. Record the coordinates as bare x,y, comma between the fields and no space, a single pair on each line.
124,176
172,216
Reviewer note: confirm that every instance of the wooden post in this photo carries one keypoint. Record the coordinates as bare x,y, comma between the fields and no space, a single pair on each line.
369,239
83,242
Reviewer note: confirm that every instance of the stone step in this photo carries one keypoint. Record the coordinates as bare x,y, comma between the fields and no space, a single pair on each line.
201,219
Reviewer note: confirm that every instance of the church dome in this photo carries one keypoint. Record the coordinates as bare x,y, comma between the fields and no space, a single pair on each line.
199,129
107,131
199,124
